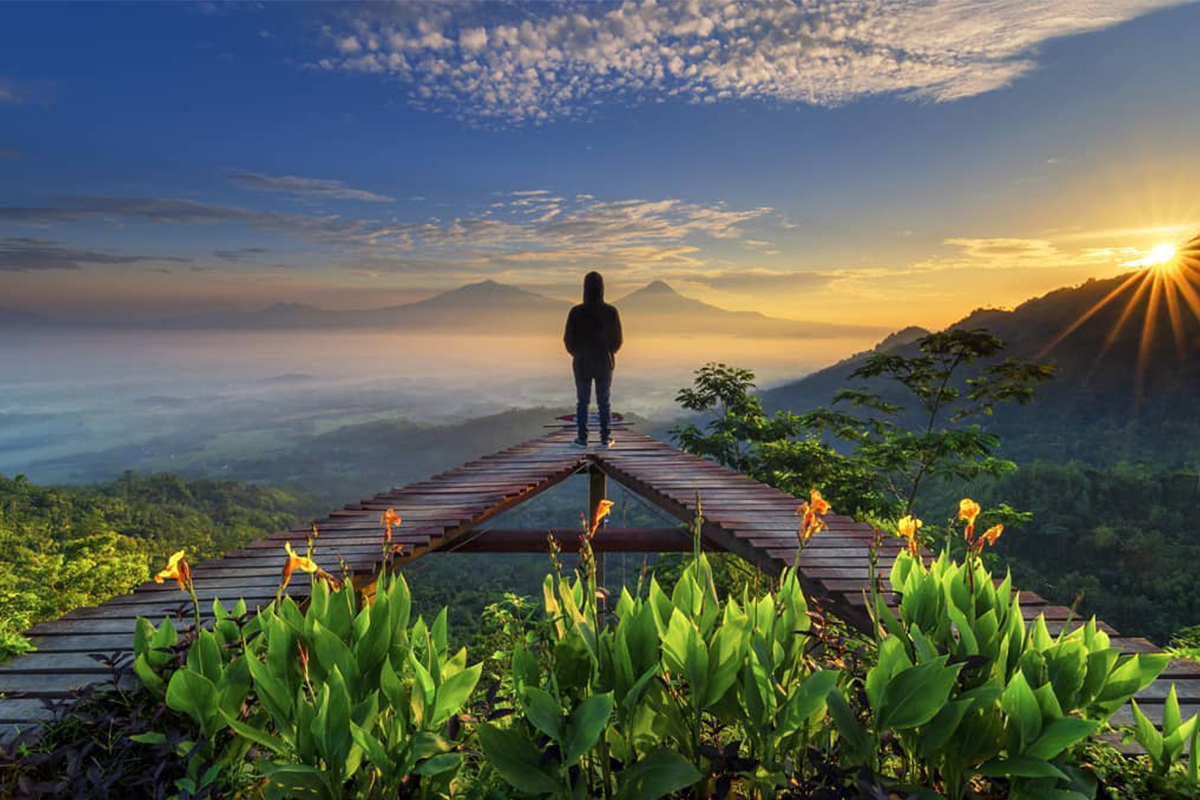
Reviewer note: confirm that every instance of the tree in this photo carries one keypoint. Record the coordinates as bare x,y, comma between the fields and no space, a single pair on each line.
920,434
938,400
775,449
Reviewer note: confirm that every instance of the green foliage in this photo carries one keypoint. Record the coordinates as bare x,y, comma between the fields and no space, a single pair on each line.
969,688
1123,537
894,450
61,548
351,701
939,398
777,449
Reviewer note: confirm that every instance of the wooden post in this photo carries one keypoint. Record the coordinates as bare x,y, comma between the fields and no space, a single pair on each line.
597,491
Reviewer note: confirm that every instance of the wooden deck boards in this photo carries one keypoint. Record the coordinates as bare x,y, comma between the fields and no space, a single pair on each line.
741,516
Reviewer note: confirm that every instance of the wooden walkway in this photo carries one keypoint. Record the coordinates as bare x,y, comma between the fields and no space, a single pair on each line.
448,511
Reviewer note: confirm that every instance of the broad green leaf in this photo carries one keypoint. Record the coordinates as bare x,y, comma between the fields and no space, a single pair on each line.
855,739
659,774
453,693
256,735
516,759
916,695
544,712
1020,767
1147,735
805,701
1058,735
439,764
586,725
299,780
1024,712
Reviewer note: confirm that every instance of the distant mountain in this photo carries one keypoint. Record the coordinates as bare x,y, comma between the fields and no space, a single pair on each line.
657,308
499,308
1125,386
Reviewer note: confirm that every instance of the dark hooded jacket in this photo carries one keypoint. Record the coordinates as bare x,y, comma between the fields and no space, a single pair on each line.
593,333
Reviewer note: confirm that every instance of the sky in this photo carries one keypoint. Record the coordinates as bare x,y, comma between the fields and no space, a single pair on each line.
885,161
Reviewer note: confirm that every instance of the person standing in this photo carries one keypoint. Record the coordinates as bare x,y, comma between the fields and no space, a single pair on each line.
592,337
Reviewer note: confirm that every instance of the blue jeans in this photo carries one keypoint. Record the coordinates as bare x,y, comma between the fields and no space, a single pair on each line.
583,396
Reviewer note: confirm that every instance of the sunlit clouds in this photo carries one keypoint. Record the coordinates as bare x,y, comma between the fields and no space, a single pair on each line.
540,62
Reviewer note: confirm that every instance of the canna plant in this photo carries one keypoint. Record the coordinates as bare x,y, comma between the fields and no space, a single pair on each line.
1167,747
649,690
349,698
999,697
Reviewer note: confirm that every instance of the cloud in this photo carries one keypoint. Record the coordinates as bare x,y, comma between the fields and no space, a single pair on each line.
119,210
304,187
755,281
240,254
563,60
20,254
523,230
19,92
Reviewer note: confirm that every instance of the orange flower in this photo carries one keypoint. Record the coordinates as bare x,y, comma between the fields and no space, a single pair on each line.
908,528
389,518
811,512
968,510
992,534
296,562
603,509
177,569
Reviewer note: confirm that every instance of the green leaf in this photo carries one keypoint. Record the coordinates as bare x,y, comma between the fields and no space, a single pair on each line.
439,764
544,712
1058,735
916,695
855,739
195,695
256,735
1147,735
658,774
1020,767
149,737
377,754
805,701
1024,712
150,679
453,693
331,727
587,723
298,780
516,759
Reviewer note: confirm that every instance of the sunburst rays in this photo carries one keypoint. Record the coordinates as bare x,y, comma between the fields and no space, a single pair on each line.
1166,285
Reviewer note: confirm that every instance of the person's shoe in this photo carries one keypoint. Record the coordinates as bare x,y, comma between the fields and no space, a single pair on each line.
609,442
579,442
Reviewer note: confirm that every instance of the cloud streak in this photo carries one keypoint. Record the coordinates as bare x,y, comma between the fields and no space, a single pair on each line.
23,254
544,62
297,186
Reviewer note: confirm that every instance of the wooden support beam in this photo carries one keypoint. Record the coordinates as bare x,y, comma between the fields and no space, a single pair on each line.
608,540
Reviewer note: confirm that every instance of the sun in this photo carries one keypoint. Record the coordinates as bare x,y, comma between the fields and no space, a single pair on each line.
1159,254
1166,285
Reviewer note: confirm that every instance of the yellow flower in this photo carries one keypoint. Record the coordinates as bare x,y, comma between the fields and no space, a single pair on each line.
389,518
968,510
992,534
177,569
603,509
907,528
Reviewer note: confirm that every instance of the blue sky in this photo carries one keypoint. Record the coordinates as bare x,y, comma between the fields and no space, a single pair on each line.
902,161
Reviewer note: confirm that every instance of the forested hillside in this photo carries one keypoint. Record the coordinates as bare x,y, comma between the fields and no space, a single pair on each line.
1122,537
61,548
